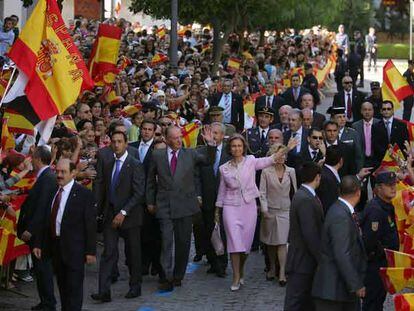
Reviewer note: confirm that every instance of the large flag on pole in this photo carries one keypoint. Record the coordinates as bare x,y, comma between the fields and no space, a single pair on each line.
103,61
394,86
52,70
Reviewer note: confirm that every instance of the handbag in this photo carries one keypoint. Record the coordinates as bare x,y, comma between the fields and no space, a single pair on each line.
216,240
292,189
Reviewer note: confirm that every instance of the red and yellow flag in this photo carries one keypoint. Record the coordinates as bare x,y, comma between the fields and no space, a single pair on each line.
125,62
103,61
398,259
391,159
233,64
130,110
161,32
158,58
68,122
17,123
394,86
396,279
190,134
408,244
404,302
47,55
7,140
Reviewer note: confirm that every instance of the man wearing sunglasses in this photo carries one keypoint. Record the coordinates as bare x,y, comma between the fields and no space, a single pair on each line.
387,131
351,99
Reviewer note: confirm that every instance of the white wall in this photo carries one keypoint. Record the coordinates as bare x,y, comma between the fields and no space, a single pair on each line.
68,10
14,7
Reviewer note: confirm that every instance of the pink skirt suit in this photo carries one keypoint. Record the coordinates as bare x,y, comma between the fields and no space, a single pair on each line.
237,196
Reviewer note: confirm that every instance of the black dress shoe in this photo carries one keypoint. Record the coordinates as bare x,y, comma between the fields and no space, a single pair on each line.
176,283
221,273
114,279
133,292
282,283
197,258
166,286
211,270
102,297
39,306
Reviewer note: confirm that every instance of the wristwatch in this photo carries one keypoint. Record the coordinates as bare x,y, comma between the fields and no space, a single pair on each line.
124,213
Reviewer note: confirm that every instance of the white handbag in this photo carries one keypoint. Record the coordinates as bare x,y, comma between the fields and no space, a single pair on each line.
216,240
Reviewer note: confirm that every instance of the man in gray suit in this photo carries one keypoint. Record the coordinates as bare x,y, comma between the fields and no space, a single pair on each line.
172,196
339,278
119,190
306,219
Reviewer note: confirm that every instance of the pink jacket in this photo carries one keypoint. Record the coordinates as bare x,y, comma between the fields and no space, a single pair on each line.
238,186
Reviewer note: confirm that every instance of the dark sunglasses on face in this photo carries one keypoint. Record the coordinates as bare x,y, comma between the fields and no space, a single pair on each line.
347,82
158,134
166,124
386,109
317,137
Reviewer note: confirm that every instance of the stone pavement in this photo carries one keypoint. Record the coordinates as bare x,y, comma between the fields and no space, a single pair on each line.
200,291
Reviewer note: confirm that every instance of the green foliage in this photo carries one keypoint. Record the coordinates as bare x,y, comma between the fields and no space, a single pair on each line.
27,3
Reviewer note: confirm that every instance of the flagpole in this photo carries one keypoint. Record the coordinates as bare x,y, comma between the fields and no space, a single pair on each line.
8,85
411,29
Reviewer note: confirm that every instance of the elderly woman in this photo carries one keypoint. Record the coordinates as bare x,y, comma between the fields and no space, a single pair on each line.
237,197
277,185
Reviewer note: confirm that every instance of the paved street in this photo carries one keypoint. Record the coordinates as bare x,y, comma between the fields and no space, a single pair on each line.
200,291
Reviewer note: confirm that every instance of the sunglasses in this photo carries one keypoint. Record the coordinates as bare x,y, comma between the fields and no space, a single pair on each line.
166,124
347,82
317,137
386,109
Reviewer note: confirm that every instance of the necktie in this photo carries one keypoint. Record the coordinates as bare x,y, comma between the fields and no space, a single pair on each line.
349,107
263,137
268,104
216,162
387,123
294,134
55,209
115,178
173,164
314,154
142,152
295,93
227,109
367,134
356,220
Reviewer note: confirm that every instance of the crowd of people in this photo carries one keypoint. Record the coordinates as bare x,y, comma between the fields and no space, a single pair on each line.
288,182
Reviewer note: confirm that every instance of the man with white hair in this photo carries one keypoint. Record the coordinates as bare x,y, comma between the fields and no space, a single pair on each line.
284,112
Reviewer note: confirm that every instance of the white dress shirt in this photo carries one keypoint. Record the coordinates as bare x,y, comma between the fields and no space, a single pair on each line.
335,143
298,137
63,199
222,104
122,159
310,189
143,149
351,208
334,171
266,130
169,153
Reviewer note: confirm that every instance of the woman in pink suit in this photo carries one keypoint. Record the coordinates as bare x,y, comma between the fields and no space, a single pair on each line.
237,196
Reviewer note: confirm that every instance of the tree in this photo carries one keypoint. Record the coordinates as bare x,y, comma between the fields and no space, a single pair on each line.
27,3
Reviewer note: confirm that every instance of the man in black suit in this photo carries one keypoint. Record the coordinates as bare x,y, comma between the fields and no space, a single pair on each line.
210,178
338,283
270,100
308,102
69,235
232,104
283,113
293,94
387,131
119,191
306,219
375,98
298,133
311,83
315,152
351,99
31,222
150,230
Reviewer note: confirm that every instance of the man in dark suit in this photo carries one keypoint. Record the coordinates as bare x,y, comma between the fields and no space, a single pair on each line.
293,94
31,222
349,98
150,230
69,235
306,219
387,131
119,192
232,104
283,113
298,133
339,279
210,178
270,100
172,197
308,102
375,98
311,83
257,137
315,152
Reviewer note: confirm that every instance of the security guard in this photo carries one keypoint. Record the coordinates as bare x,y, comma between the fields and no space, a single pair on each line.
215,114
257,137
376,98
379,231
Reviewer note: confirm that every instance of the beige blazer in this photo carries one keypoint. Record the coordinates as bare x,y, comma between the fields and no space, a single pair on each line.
273,193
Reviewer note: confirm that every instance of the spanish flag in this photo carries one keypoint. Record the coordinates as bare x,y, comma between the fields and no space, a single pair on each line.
68,122
17,123
410,128
49,62
103,61
404,302
7,140
394,86
159,58
398,259
130,110
233,64
190,134
396,279
391,160
161,32
408,244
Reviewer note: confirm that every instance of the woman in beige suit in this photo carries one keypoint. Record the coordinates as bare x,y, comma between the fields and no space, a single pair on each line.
277,185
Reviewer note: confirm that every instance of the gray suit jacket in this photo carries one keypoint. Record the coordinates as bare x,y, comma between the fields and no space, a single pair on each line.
176,196
306,219
359,128
351,138
343,261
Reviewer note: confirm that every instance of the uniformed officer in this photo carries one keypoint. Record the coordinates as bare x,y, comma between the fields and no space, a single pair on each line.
257,137
379,231
215,114
376,98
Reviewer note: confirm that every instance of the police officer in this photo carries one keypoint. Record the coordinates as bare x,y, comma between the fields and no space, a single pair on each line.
379,231
257,137
376,98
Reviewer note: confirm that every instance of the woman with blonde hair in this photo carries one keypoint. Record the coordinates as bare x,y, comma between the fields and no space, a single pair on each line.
237,197
277,186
